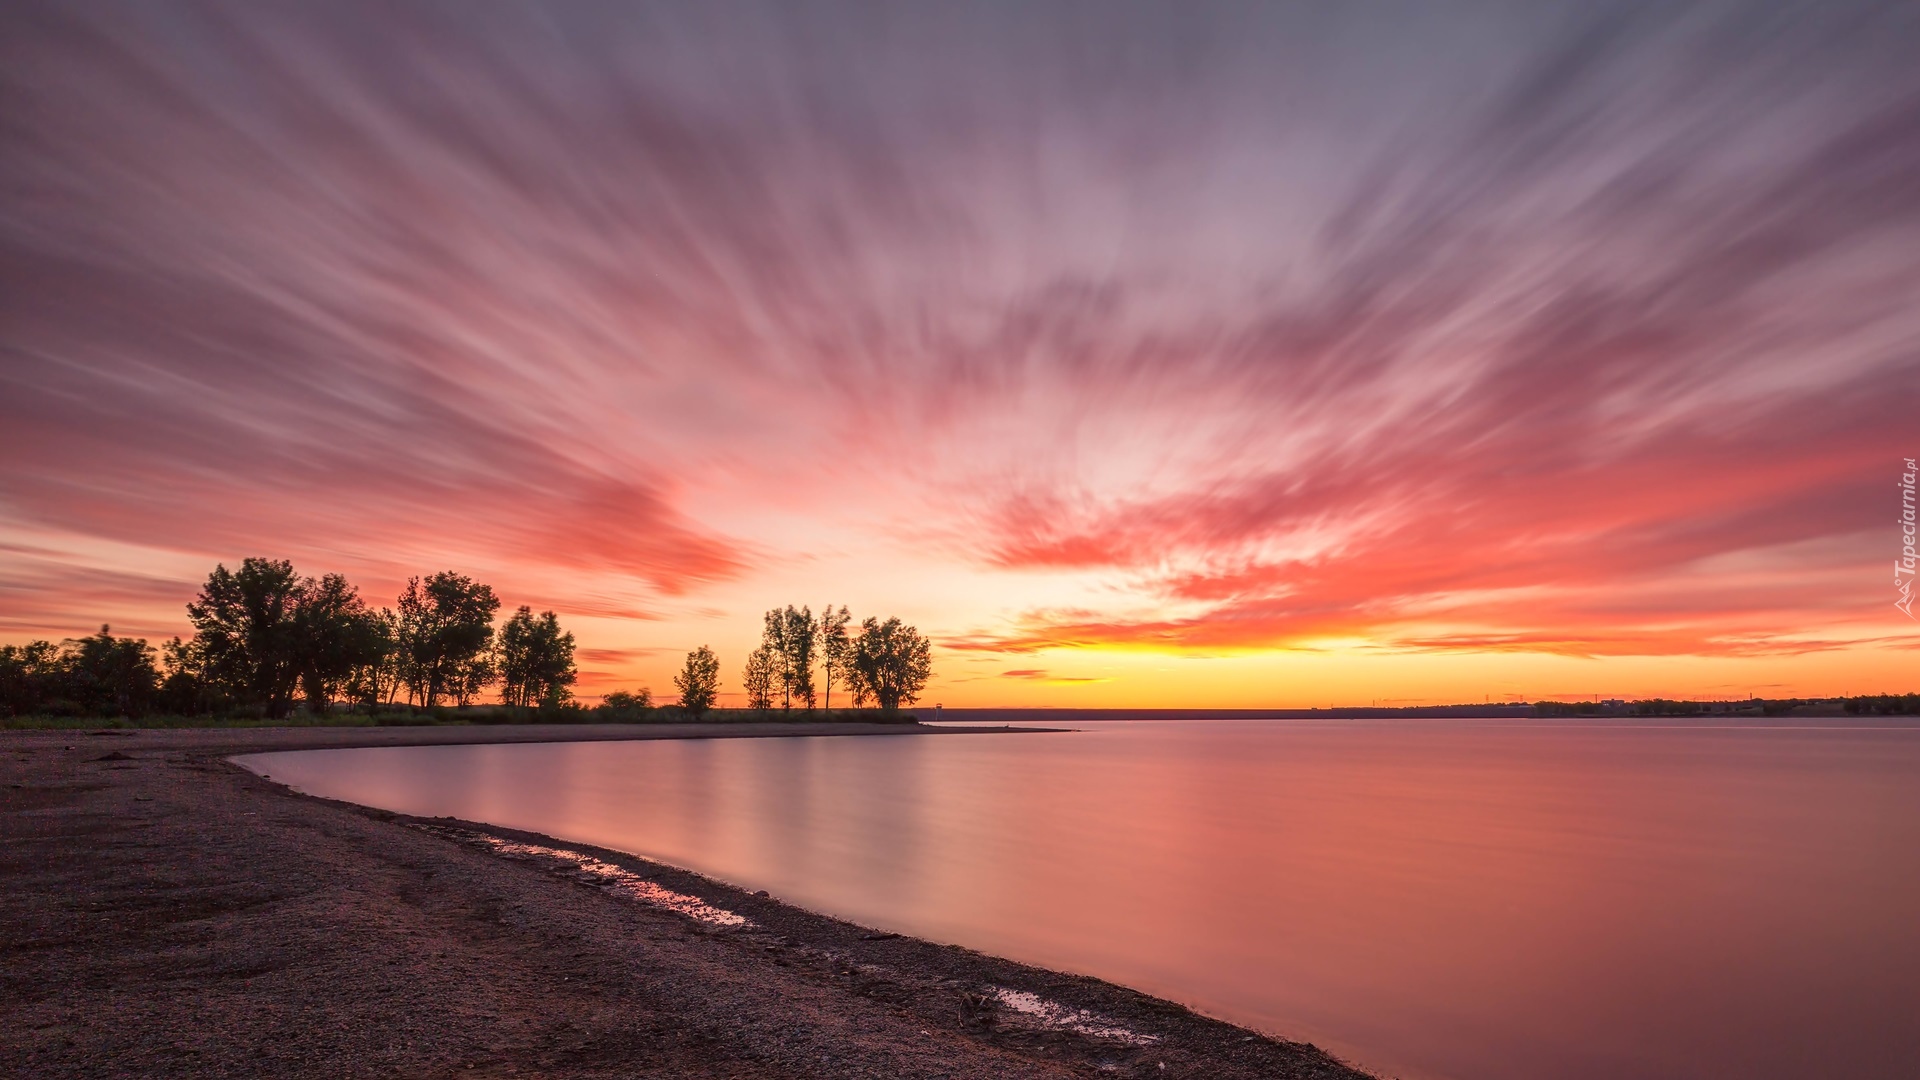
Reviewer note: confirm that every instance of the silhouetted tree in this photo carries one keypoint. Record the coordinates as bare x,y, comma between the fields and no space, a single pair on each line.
245,632
759,679
628,701
100,675
110,676
803,632
184,690
698,681
445,628
1884,704
535,660
892,663
773,642
30,677
375,679
335,639
788,636
835,648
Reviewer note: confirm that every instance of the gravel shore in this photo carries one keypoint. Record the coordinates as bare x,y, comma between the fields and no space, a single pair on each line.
167,913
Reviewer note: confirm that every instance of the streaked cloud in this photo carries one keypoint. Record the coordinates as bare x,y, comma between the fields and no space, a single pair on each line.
1569,330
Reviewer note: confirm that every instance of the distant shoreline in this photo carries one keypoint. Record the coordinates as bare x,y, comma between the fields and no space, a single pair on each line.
1416,712
1014,715
494,716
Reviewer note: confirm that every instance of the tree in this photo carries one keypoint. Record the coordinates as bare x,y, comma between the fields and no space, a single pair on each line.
788,637
629,700
30,677
376,678
699,681
445,627
802,631
535,660
184,690
892,662
245,632
109,676
835,648
773,643
100,675
759,679
335,639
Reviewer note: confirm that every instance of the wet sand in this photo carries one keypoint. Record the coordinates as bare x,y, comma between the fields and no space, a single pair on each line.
166,912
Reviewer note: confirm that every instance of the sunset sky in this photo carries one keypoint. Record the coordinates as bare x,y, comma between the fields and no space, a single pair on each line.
1259,355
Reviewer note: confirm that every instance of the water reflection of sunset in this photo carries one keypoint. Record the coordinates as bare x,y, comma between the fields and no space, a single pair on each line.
1495,899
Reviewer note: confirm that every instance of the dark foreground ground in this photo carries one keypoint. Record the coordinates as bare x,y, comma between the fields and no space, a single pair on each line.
166,913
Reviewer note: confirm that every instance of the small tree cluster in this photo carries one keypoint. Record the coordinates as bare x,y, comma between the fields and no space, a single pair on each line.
787,644
887,665
628,704
1884,705
100,675
266,638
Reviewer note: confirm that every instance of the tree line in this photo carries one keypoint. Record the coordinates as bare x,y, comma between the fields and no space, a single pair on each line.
887,664
266,638
1864,704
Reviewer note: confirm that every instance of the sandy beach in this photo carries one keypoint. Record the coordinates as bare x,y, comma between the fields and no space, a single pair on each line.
167,912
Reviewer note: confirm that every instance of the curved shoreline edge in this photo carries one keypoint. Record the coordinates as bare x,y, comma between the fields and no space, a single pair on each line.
158,871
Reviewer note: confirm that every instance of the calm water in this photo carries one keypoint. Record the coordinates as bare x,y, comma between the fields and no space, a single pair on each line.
1429,898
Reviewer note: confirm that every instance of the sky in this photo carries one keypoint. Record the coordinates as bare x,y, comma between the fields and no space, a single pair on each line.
1175,355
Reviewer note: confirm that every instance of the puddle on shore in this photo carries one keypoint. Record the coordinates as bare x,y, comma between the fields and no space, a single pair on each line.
614,879
1061,1018
622,882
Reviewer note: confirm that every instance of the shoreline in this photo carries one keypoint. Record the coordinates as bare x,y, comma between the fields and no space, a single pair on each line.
209,738
169,910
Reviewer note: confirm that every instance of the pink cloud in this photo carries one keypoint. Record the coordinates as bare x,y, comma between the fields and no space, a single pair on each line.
1557,340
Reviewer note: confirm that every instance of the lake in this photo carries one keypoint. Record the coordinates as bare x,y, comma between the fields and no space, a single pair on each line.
1427,898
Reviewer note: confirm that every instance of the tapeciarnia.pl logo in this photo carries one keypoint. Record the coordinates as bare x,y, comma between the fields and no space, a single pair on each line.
1903,566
